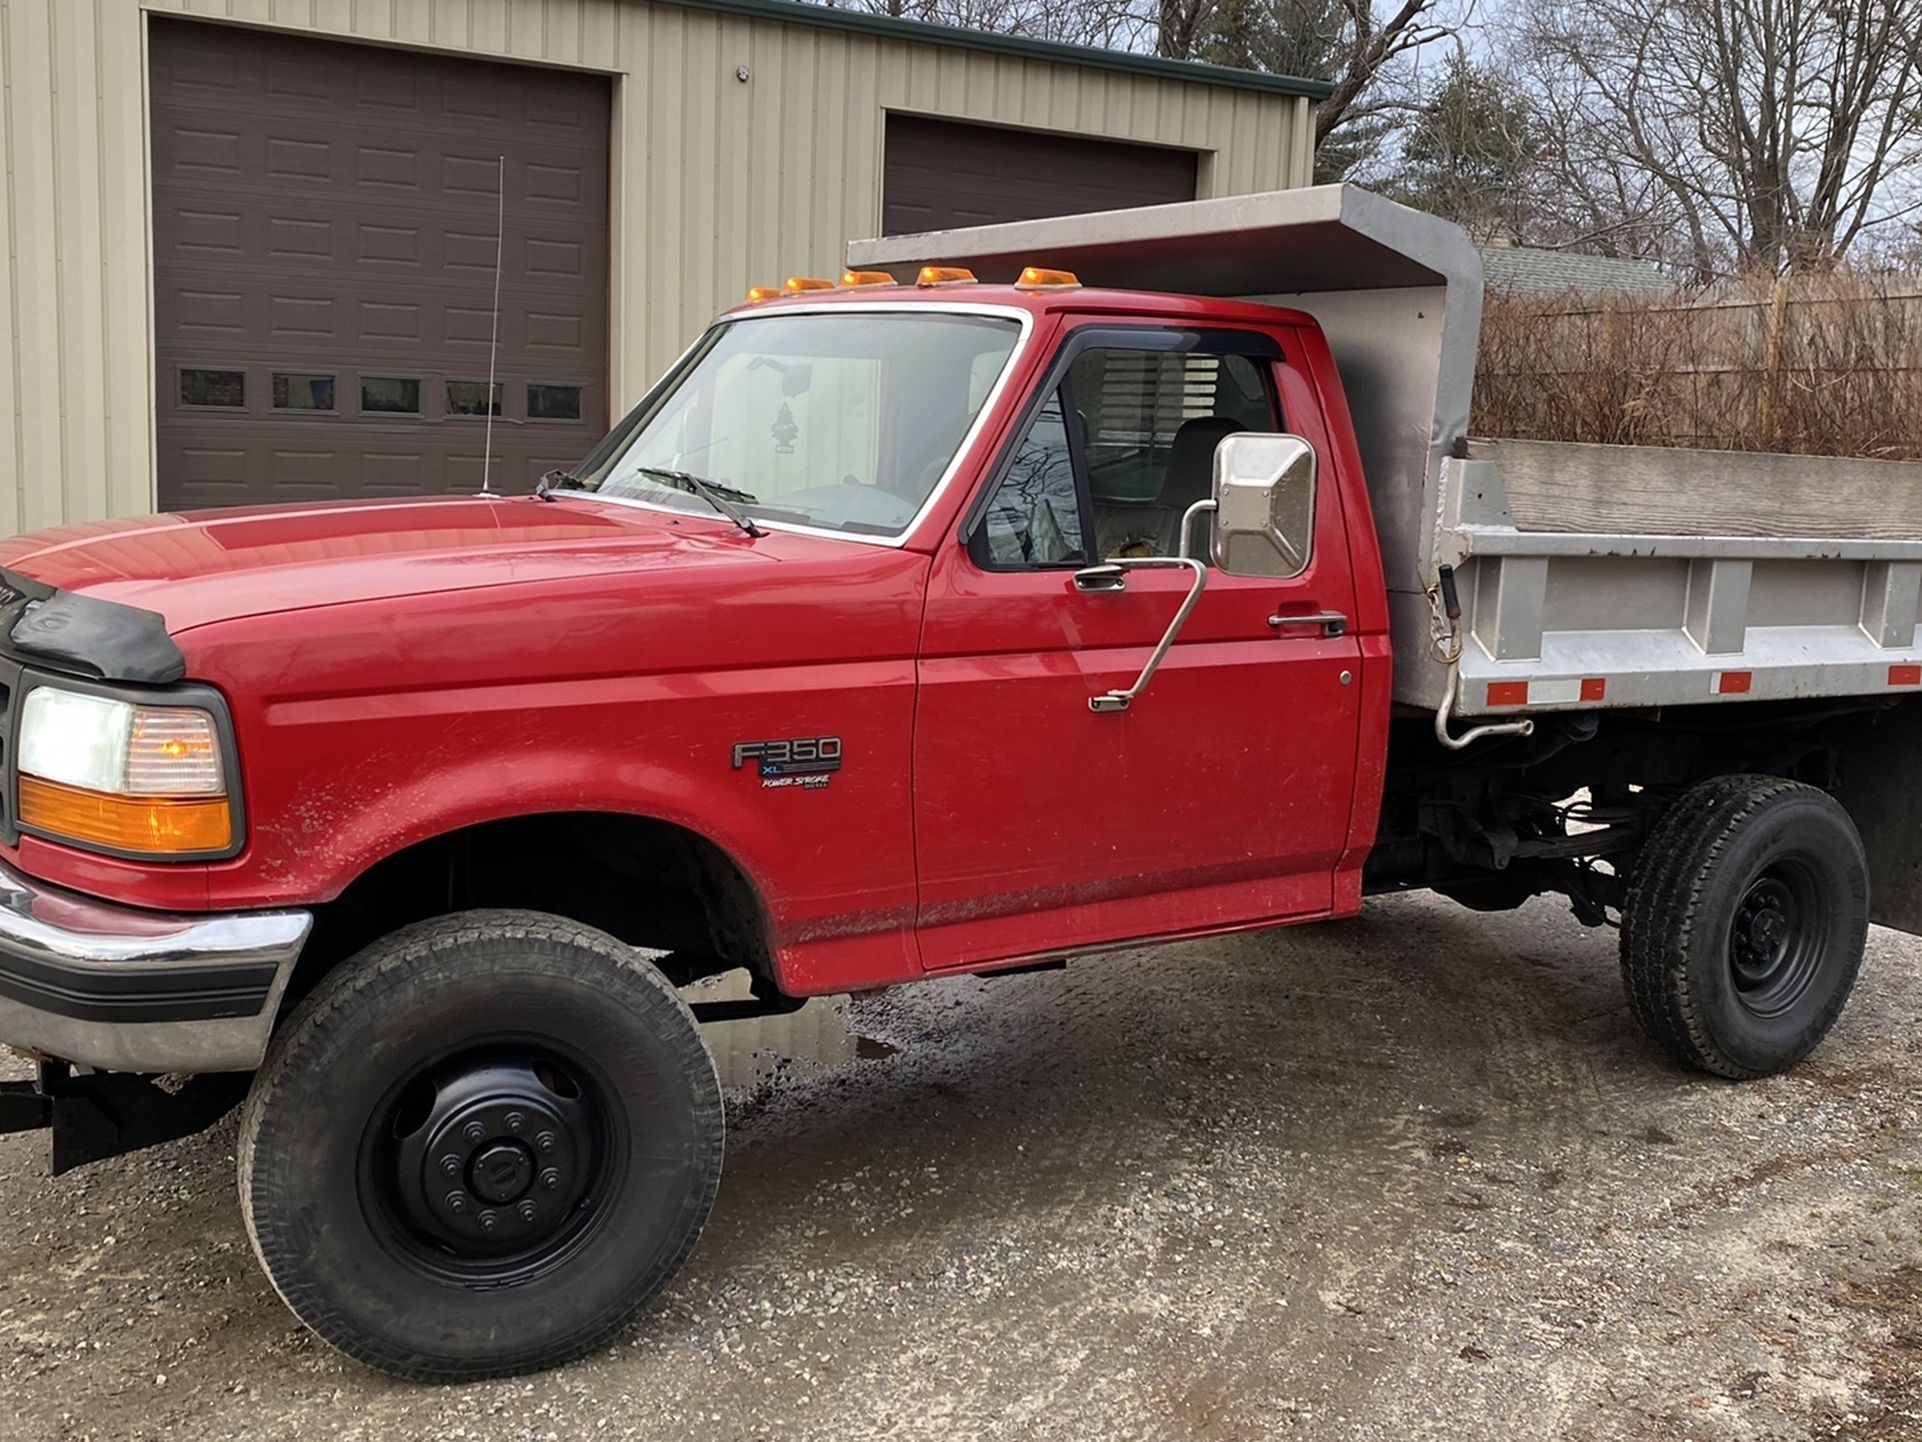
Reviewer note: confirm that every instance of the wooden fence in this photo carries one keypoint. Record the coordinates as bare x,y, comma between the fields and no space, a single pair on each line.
1831,366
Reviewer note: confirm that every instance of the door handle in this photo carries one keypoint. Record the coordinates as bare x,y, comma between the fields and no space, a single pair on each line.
1108,576
1332,623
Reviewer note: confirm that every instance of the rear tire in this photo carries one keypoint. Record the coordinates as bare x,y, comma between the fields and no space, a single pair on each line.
1743,930
480,1146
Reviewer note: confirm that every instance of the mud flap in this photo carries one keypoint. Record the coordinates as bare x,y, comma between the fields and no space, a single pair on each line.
107,1114
1879,780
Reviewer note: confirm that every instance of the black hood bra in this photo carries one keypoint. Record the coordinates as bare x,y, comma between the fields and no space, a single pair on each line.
101,639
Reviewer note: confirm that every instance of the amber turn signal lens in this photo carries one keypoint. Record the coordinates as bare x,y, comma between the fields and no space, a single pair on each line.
852,278
158,825
1034,277
944,275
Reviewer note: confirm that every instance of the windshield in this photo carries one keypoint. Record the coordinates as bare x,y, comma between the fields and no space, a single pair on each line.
842,419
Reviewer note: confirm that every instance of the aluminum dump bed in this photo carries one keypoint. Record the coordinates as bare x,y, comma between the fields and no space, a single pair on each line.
1587,575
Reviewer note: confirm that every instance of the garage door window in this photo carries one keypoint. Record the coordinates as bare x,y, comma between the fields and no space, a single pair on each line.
300,391
554,403
390,395
470,398
214,390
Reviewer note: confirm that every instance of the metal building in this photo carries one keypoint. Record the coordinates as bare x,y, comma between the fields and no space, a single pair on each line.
250,244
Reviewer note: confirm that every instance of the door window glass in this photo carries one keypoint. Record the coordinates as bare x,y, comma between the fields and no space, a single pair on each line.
1034,518
1152,420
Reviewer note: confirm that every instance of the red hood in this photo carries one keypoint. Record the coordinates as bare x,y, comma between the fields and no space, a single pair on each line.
202,566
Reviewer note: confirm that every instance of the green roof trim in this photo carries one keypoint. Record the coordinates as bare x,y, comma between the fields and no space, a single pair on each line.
922,32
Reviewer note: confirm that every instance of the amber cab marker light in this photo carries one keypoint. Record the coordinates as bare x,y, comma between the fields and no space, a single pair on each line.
798,283
944,275
762,292
1036,277
852,278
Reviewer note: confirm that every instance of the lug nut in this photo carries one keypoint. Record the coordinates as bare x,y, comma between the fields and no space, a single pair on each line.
545,1141
487,1221
456,1202
527,1210
450,1164
551,1178
516,1120
475,1132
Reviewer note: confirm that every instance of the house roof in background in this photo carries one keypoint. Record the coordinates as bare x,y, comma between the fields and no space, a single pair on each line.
1524,270
890,28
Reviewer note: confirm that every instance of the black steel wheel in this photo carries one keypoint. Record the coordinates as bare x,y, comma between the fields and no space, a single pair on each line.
490,1166
1746,917
481,1146
1776,941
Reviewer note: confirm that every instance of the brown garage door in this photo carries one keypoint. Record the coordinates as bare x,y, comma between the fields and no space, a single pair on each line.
324,240
941,173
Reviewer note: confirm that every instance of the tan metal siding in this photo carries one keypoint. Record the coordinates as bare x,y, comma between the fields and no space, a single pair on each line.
717,184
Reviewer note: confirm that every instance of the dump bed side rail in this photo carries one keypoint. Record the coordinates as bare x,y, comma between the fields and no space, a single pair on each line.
1572,620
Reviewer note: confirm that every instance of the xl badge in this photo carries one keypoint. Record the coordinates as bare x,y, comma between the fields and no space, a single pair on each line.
806,761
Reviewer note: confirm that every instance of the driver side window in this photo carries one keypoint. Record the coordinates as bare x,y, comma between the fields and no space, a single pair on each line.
1120,450
1034,518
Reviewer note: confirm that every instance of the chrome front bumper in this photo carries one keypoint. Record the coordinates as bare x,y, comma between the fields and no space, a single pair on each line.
110,987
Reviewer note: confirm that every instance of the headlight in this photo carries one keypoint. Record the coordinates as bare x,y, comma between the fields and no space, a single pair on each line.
128,777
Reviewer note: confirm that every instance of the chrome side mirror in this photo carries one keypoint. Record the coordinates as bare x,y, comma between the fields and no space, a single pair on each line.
1264,505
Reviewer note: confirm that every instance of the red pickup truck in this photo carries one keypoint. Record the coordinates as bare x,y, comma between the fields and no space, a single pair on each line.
903,630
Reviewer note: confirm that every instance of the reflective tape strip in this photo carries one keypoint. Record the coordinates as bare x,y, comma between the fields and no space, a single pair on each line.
1731,683
1905,675
1565,692
1555,693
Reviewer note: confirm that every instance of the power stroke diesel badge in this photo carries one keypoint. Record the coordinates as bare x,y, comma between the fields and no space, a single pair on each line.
805,761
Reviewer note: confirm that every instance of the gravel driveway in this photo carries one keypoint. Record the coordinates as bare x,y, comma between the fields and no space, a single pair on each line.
1413,1175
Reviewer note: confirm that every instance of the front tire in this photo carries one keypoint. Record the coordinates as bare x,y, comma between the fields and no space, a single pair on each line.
480,1147
1743,930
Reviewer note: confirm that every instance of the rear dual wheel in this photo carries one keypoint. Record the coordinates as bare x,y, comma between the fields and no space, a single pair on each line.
481,1146
1745,923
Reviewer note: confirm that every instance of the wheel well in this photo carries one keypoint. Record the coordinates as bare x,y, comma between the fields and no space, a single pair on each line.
648,883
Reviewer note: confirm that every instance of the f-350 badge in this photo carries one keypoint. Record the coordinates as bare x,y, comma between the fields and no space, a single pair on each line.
805,761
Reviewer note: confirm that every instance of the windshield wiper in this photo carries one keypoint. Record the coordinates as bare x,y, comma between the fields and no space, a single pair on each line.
713,492
556,480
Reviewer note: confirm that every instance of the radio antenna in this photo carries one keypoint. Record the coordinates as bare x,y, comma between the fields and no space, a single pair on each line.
494,339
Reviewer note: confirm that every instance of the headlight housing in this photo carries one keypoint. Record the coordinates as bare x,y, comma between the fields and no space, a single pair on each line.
121,775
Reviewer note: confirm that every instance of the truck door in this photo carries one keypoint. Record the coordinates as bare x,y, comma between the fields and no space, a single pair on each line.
1221,797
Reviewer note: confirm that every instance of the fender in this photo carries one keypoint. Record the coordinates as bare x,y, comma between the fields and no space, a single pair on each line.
551,779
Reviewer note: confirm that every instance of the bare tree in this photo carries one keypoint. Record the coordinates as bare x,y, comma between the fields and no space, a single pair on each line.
1105,24
1767,134
1366,56
1373,45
